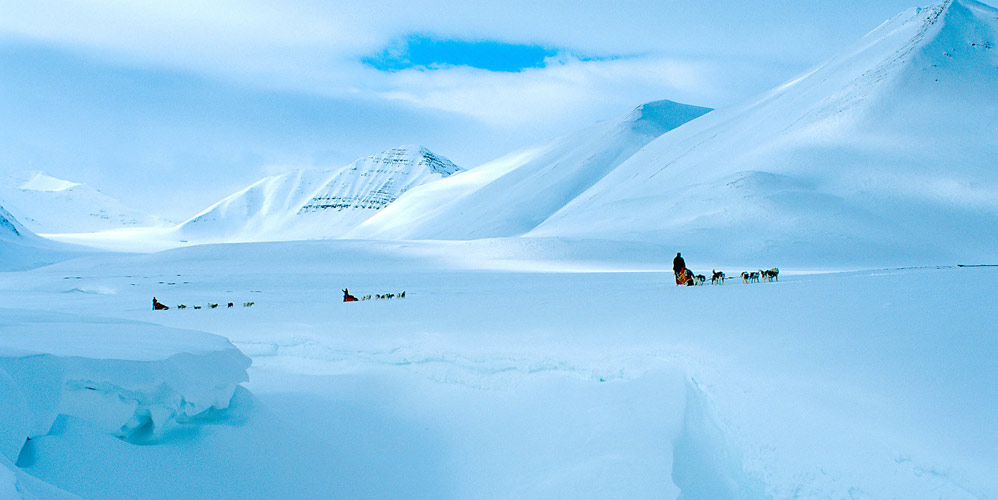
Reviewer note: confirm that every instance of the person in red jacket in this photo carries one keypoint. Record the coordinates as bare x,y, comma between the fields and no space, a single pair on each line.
679,268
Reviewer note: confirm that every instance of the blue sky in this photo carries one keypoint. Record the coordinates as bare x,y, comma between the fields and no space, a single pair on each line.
172,105
417,51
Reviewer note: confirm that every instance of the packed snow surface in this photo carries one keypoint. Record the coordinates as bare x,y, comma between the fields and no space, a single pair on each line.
530,368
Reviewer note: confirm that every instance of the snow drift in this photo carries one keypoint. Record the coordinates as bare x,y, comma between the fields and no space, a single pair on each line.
134,380
512,195
317,203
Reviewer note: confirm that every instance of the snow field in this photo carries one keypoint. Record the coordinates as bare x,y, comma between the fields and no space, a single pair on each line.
504,383
558,364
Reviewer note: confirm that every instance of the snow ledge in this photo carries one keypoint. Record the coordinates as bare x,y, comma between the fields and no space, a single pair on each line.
136,381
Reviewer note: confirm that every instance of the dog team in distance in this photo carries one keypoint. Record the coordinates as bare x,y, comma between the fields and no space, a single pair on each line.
159,306
347,297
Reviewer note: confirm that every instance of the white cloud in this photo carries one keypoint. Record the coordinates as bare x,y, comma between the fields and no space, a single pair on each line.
314,46
251,41
569,92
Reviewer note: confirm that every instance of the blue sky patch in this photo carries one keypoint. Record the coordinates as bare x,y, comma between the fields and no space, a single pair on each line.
420,51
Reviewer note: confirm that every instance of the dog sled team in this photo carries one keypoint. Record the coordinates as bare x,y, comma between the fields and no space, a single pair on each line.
347,297
159,306
769,275
685,276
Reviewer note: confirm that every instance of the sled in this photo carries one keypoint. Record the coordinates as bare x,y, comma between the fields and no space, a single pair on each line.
681,278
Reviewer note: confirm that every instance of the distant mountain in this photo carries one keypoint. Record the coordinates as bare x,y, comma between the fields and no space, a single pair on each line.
46,204
317,203
512,195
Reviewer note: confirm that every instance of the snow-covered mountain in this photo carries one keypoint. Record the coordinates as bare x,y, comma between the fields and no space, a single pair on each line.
316,203
46,204
885,153
10,228
515,193
22,249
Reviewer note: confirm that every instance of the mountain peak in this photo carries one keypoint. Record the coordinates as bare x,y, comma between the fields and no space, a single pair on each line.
658,117
416,156
373,182
40,181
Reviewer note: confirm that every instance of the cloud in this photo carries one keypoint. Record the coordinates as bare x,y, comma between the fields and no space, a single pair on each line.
247,41
565,89
317,46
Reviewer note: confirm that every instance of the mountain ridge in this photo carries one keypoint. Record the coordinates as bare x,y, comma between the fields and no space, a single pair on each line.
513,194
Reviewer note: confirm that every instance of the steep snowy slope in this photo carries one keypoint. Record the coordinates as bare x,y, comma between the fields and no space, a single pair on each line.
21,249
317,203
46,204
886,153
512,195
10,229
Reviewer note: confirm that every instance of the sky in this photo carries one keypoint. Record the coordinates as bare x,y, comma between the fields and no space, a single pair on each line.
171,105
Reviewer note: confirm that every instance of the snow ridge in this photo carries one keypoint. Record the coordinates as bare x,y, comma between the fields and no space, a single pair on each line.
134,380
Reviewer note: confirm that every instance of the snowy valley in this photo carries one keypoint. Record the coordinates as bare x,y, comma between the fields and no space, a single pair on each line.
535,344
